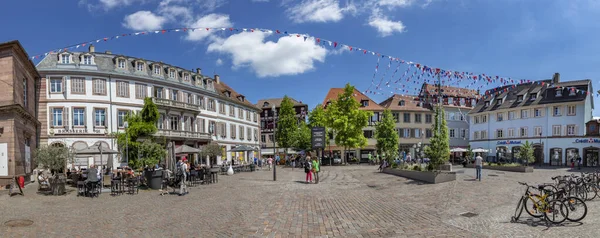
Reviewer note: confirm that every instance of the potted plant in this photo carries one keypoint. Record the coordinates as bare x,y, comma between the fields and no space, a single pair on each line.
55,159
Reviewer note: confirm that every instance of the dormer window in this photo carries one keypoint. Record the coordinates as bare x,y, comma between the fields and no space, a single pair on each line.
266,104
65,58
121,63
499,101
450,101
532,97
139,66
559,92
227,93
186,77
463,102
87,59
157,69
487,103
401,103
241,98
519,98
172,73
473,102
364,103
572,92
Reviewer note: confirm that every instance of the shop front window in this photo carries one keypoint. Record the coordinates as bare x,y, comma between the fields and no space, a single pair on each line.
571,156
556,156
501,156
590,158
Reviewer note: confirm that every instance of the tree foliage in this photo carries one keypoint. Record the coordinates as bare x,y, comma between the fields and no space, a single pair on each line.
211,150
386,136
303,137
141,126
470,153
526,153
287,124
54,158
438,150
347,120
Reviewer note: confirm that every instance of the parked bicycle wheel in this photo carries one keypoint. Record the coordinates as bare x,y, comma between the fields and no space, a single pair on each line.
532,203
556,211
592,191
519,209
577,209
551,190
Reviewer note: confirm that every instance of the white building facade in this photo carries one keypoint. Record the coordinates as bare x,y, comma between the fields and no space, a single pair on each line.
549,114
85,96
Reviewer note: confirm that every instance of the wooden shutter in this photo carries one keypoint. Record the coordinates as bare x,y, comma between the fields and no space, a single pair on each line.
51,117
576,130
66,117
64,86
566,127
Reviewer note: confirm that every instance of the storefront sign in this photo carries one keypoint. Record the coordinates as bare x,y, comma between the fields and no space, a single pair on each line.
318,137
76,131
588,141
508,142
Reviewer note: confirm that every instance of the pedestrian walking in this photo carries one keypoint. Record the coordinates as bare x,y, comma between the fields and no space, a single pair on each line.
478,166
308,169
579,162
270,161
315,170
293,163
572,163
183,176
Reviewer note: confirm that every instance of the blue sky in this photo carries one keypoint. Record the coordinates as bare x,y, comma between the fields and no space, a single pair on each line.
509,38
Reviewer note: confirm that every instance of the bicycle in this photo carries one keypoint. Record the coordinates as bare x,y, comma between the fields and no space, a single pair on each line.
553,210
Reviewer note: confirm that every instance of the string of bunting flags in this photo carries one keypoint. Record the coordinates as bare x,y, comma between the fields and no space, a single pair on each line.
415,73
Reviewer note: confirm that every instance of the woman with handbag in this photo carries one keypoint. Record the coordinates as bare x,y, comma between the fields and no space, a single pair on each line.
308,169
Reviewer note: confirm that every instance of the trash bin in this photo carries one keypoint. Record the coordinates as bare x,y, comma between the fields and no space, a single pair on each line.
154,178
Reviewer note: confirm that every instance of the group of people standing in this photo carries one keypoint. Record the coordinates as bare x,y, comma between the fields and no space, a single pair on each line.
311,168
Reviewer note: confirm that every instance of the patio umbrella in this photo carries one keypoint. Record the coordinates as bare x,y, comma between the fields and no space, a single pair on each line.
242,148
479,150
186,149
96,149
458,150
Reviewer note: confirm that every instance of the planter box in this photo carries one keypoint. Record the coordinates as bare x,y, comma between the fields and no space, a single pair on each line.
518,169
424,176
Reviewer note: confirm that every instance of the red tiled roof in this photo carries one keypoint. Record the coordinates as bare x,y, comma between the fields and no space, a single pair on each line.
358,96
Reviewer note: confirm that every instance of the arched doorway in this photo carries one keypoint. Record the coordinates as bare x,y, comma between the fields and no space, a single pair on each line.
104,160
590,157
571,156
501,156
556,156
538,153
80,161
516,157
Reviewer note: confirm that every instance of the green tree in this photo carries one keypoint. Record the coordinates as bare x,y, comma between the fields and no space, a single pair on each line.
347,120
438,150
287,124
386,136
470,154
526,153
138,137
54,158
211,150
303,137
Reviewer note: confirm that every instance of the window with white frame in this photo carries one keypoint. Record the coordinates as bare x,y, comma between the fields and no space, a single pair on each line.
172,73
473,102
452,133
519,98
524,113
532,97
57,117
174,94
483,118
248,134
99,86
211,105
86,59
56,85
160,124
556,130
418,133
157,69
476,135
122,89
499,133
537,112
65,58
537,131
190,98
233,131
523,132
511,132
572,92
406,133
484,135
571,131
121,63
122,114
476,119
186,77
571,110
139,66
463,133
100,117
499,101
499,117
240,113
511,115
141,91
556,111
231,110
77,85
248,115
221,107
158,92
450,101
174,123
78,116
200,101
242,132
559,92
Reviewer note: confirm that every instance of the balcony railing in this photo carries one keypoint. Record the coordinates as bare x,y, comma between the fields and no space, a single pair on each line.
183,134
175,104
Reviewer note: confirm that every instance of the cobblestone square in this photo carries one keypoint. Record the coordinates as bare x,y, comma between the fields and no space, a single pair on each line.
350,201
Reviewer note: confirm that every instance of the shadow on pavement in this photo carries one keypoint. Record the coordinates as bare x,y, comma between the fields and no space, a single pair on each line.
541,222
298,181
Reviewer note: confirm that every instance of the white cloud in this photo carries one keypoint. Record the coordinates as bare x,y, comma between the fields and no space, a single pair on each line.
317,11
208,21
219,62
288,56
260,0
108,4
384,25
394,3
144,21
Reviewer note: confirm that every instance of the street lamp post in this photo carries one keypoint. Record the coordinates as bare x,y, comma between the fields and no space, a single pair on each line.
126,125
274,143
541,149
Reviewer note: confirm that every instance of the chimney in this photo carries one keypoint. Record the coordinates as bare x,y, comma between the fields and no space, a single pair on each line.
92,49
108,52
199,71
556,78
217,79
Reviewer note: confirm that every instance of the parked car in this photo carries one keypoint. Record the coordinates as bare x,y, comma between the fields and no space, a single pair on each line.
337,160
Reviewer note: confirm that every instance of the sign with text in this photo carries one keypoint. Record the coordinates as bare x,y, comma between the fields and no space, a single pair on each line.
508,142
588,141
318,137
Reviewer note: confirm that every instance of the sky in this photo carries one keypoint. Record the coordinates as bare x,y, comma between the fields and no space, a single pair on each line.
515,39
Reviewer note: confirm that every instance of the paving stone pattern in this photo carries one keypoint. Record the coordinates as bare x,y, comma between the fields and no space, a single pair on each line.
350,201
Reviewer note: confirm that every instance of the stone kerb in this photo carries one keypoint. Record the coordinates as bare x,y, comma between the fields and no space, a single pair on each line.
518,169
432,177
